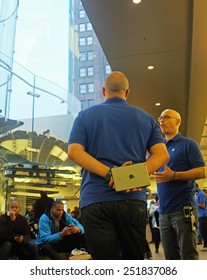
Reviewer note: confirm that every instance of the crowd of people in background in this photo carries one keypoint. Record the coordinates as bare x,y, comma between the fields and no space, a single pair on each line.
19,242
45,229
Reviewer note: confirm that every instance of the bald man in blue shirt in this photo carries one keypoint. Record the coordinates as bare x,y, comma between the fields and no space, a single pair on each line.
176,190
110,134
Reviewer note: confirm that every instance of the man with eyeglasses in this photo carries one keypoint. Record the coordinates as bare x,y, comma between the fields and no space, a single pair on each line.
176,190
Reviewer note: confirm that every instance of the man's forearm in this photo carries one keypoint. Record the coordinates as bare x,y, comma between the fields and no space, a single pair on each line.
88,162
193,174
158,158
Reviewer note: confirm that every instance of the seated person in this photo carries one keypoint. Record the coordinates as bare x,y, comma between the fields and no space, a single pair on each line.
59,232
15,238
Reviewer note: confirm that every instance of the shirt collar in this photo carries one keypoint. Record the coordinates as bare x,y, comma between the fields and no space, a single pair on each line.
175,138
115,100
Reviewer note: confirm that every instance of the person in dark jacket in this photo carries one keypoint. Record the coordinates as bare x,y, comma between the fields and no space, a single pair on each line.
15,238
40,206
59,232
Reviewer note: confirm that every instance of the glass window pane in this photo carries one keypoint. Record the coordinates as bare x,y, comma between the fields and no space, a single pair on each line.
82,41
90,87
81,14
82,72
107,69
82,27
90,71
89,26
89,40
90,55
82,56
82,88
84,104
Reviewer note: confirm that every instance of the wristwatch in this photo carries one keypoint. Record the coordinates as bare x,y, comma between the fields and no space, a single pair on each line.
108,175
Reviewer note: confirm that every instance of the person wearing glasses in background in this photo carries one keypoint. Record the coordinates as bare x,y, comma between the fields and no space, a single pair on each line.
176,190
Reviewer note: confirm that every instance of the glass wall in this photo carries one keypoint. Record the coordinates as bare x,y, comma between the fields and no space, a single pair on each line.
8,17
37,113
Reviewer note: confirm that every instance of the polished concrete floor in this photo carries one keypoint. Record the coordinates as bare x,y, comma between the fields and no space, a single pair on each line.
160,255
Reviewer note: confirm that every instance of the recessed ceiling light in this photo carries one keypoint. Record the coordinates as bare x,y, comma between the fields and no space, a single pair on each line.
150,67
157,104
136,1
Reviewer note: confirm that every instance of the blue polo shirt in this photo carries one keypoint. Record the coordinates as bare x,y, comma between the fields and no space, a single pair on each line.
201,198
184,155
113,132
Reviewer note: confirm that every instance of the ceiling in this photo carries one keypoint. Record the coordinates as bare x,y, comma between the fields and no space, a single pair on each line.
171,36
27,181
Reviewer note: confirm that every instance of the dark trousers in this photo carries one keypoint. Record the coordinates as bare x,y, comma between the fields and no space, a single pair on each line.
152,232
156,233
148,252
69,243
22,252
115,230
203,229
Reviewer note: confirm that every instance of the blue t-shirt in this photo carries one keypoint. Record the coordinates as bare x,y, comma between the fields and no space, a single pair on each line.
113,132
184,155
200,199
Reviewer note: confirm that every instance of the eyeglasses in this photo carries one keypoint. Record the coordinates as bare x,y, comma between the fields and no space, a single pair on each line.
164,118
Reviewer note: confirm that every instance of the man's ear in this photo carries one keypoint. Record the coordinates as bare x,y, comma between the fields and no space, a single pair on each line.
127,93
178,122
103,91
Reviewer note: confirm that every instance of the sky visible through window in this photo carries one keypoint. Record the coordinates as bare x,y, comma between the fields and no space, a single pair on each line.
41,46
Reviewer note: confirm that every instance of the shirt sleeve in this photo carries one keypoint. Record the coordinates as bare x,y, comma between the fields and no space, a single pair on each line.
45,235
77,134
71,220
194,154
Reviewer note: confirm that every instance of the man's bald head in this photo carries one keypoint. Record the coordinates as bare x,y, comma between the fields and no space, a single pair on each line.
116,81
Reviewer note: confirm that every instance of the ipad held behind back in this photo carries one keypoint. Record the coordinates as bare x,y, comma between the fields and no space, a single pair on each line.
130,176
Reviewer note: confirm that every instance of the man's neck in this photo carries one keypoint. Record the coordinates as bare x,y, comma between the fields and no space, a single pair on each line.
170,136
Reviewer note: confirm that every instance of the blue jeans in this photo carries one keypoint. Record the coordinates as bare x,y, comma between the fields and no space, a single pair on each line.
178,238
199,233
115,230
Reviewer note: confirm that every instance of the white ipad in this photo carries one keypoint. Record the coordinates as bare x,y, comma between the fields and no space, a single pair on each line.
130,176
